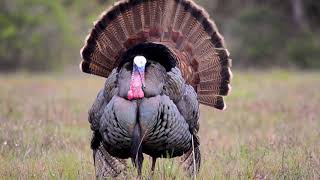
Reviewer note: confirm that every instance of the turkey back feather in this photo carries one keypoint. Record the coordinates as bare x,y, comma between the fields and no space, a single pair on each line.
178,31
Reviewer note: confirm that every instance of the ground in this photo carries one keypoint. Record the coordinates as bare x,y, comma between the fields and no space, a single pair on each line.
271,129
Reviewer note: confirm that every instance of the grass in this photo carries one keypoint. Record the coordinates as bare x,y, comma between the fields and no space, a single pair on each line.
271,129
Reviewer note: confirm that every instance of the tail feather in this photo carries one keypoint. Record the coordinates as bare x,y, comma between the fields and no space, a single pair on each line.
92,68
146,14
180,25
158,13
120,29
167,20
153,12
128,21
138,18
214,101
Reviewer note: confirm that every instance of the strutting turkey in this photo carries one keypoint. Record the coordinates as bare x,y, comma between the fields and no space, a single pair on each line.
161,59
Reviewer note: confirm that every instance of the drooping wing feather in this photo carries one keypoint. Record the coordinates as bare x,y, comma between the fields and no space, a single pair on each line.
105,164
182,27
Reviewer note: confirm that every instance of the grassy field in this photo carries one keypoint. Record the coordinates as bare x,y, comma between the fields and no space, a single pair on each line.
271,129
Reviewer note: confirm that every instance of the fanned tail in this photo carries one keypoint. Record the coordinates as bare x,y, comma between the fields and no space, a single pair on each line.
182,27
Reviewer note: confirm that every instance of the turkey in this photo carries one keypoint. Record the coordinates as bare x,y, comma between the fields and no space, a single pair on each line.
160,58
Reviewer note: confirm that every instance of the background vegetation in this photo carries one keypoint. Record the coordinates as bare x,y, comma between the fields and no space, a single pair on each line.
47,35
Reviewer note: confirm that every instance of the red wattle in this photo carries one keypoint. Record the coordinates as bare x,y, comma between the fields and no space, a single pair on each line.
135,91
140,93
130,95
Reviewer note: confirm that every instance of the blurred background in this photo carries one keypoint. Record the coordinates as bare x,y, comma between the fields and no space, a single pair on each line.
270,129
39,35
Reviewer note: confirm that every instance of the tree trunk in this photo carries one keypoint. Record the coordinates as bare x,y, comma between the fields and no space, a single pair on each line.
298,14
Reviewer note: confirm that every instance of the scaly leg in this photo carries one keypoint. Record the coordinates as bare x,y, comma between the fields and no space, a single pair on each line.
153,165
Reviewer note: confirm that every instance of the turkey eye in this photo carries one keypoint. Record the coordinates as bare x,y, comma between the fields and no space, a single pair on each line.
128,66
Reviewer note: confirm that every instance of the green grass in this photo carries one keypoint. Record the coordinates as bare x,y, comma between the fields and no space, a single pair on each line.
271,129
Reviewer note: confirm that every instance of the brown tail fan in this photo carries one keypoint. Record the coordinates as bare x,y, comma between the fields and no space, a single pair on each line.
181,26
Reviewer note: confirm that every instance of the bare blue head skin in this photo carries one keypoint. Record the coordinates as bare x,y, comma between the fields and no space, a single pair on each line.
137,81
140,63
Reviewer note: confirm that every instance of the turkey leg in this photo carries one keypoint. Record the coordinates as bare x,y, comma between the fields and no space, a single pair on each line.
153,165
